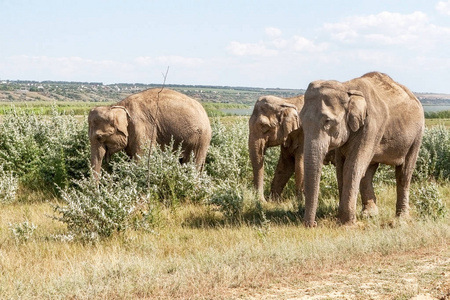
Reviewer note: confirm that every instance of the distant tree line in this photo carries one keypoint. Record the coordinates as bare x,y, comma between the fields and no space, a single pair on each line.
438,114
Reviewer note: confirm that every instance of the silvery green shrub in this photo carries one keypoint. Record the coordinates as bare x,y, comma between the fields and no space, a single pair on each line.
160,174
428,202
44,152
233,200
228,156
8,187
94,210
22,232
434,156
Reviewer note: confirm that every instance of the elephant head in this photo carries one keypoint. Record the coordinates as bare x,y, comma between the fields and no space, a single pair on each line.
108,133
332,111
272,120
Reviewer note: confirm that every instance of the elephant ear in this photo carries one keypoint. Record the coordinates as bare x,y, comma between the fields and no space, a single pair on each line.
357,110
289,121
121,121
264,124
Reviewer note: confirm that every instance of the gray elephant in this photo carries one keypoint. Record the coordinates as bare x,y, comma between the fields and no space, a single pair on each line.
154,115
368,120
275,122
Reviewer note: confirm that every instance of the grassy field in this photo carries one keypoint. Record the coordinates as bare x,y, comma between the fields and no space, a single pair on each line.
82,108
193,255
198,250
437,122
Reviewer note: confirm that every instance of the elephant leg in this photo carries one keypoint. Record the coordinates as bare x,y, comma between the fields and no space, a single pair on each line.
284,170
299,173
369,200
353,170
200,156
403,175
186,154
339,163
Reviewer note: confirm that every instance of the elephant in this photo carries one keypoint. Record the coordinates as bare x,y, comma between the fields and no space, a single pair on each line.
274,122
367,120
157,115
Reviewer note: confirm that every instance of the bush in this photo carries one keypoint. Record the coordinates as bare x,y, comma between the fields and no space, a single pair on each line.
22,232
44,152
228,156
8,187
95,210
428,202
161,175
234,200
434,155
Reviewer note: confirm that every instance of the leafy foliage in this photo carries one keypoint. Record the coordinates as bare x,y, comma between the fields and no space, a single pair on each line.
44,152
22,232
8,187
95,210
434,155
428,201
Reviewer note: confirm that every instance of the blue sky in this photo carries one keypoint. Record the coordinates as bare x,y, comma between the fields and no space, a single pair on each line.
282,43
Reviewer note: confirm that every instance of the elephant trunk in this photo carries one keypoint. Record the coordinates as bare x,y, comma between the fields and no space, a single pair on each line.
98,151
313,161
257,147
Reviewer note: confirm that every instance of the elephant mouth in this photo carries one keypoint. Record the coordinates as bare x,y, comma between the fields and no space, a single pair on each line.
108,154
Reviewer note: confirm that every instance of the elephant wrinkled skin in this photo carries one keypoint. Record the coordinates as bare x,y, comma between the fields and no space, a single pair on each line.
368,120
155,116
275,122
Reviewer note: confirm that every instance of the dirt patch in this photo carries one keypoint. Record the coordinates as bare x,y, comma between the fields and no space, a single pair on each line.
422,274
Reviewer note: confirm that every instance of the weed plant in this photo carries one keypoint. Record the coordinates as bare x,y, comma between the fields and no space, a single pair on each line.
434,155
22,232
93,210
8,187
428,201
44,152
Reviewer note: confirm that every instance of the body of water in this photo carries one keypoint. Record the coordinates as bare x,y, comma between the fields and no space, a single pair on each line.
248,111
435,108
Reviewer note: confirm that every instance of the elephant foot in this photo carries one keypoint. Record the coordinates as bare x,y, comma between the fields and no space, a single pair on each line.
310,224
402,213
262,199
275,197
347,220
370,210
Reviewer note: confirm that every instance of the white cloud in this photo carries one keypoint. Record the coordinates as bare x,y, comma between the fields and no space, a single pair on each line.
276,47
302,44
384,28
273,32
443,7
169,60
250,49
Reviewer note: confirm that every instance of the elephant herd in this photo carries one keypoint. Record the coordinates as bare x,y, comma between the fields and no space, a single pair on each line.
356,125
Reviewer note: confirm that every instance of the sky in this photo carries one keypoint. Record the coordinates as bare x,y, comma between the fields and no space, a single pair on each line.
246,43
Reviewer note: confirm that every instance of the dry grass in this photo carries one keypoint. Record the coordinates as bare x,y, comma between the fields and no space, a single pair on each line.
193,255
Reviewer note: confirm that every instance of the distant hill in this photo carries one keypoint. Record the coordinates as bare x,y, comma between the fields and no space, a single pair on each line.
11,91
433,99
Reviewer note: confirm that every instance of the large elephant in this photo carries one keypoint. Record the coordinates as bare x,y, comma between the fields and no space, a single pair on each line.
155,116
368,120
275,122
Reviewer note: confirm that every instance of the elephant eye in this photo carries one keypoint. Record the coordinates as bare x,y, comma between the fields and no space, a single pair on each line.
264,127
328,123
